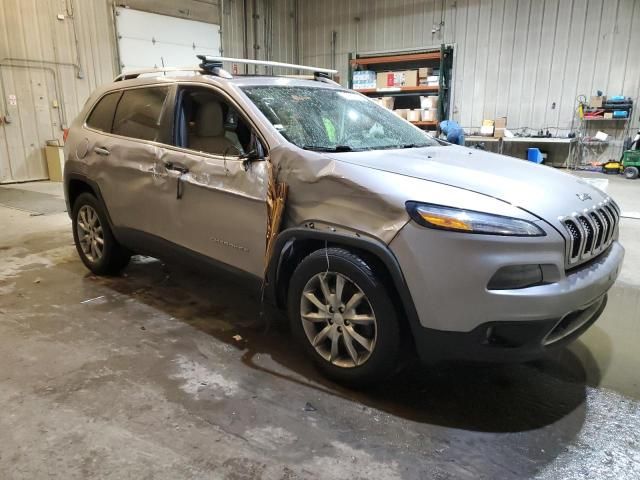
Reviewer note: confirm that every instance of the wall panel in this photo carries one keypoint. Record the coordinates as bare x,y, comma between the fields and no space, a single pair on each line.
527,59
52,65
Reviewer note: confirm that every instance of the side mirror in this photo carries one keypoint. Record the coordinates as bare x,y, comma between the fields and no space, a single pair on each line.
255,153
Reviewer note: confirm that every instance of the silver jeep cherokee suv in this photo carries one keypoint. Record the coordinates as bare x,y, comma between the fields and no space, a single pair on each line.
389,237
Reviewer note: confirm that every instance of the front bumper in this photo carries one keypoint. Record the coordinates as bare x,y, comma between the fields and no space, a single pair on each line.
447,274
506,342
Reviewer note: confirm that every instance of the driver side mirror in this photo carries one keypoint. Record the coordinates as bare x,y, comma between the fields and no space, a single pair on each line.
255,153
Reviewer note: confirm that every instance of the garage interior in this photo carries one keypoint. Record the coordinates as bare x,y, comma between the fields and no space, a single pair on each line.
167,372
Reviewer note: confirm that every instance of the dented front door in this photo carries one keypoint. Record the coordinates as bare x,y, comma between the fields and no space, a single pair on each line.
221,211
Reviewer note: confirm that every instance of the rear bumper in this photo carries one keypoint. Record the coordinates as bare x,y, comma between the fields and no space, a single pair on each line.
507,342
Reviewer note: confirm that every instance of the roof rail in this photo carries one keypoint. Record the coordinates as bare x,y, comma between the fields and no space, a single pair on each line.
136,73
217,61
213,66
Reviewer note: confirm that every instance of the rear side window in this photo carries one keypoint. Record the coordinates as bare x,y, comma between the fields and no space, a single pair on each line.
101,117
139,114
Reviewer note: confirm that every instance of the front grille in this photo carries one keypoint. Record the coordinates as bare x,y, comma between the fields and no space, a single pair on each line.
590,232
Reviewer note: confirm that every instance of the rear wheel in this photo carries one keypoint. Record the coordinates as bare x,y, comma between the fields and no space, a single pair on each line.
343,316
95,243
631,172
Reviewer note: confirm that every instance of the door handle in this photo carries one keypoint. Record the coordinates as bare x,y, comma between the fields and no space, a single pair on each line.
181,169
101,151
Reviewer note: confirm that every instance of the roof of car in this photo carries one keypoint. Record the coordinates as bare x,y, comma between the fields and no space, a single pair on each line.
239,81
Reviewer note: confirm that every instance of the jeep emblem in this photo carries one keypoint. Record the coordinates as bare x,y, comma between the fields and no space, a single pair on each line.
583,196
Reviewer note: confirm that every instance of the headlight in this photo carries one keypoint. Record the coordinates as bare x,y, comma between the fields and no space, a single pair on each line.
469,221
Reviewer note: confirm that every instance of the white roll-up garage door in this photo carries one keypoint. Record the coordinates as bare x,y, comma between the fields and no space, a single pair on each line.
151,40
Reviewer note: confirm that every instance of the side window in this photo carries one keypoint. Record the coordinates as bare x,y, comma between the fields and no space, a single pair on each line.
139,113
101,117
205,122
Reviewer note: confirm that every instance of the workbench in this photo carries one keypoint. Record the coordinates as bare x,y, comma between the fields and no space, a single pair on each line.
559,150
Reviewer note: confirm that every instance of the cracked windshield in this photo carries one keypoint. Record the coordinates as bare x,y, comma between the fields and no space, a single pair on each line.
324,119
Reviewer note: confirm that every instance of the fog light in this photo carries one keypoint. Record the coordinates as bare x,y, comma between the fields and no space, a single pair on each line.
516,276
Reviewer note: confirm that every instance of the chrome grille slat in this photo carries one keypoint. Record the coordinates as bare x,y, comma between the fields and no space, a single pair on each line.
611,221
588,235
600,229
590,232
614,212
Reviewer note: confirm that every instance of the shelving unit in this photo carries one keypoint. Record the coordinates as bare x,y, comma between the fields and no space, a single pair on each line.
610,148
409,97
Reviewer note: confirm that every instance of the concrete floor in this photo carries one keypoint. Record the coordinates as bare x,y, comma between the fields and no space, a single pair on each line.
165,374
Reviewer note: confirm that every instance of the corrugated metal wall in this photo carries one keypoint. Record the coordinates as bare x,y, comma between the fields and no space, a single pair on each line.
270,29
40,66
49,66
524,59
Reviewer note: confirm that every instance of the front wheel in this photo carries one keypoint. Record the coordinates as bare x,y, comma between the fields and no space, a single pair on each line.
95,243
342,314
631,172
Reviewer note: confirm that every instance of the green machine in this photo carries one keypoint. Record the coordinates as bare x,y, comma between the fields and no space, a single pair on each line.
629,164
630,167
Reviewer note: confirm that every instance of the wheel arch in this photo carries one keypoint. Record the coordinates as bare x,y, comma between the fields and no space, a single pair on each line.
75,188
77,184
293,244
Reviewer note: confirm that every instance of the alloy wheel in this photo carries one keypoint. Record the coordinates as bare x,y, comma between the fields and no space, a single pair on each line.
90,233
338,319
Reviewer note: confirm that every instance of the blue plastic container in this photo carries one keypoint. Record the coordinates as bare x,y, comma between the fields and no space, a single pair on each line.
534,155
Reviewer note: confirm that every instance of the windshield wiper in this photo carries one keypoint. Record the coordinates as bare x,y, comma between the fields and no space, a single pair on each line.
320,148
414,145
403,145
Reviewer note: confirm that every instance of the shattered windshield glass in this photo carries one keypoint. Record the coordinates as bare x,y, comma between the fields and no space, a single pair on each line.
326,119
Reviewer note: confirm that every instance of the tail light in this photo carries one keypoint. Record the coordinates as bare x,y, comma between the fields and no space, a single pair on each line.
65,134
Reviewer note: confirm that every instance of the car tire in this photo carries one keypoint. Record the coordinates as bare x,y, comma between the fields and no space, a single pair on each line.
350,347
95,243
631,172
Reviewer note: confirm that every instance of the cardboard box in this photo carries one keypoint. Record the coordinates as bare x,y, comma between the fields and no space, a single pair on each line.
500,122
384,79
403,78
410,78
424,72
401,112
414,115
500,125
362,79
608,115
386,102
597,102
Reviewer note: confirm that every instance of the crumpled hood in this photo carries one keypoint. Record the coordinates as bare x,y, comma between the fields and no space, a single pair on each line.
541,190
